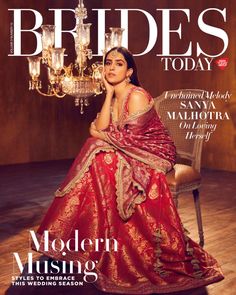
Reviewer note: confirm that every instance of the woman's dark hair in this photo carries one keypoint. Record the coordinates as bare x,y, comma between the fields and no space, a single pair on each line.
130,63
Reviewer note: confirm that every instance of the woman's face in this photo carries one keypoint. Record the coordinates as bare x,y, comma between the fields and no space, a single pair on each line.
116,68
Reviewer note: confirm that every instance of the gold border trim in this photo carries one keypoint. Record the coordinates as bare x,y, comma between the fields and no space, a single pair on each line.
120,192
82,171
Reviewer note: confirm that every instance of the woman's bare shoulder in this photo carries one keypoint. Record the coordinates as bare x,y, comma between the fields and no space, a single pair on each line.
138,100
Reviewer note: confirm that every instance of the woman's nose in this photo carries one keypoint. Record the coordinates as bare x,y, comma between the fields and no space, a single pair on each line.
112,66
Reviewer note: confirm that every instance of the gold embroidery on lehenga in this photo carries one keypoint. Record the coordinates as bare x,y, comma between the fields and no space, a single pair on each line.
158,265
190,252
108,158
153,194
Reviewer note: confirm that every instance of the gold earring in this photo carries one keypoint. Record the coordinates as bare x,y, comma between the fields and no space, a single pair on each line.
128,80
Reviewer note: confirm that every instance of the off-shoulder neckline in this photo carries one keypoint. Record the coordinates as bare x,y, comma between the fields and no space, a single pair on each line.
124,104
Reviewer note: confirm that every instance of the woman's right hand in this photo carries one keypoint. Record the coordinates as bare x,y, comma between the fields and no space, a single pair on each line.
103,120
109,88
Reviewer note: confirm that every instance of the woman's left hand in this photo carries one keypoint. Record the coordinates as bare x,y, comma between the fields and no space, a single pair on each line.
96,133
93,126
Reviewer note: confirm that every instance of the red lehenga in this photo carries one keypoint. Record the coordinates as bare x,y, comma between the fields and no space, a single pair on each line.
117,189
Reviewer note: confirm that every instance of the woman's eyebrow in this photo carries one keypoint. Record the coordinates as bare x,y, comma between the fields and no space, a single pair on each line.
119,60
108,59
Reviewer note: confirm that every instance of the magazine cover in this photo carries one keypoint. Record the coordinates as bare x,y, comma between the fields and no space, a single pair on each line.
118,147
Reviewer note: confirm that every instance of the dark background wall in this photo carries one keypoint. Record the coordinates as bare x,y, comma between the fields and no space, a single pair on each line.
37,128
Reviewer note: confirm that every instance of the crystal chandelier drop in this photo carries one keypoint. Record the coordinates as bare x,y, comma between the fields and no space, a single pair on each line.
78,79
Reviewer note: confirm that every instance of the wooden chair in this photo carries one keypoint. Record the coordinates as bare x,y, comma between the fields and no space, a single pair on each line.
185,177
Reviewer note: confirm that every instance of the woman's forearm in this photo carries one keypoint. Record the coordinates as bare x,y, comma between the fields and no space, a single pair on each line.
95,133
103,120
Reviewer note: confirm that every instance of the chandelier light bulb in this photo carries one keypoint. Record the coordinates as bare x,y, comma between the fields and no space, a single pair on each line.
83,34
108,45
57,58
34,66
48,36
116,37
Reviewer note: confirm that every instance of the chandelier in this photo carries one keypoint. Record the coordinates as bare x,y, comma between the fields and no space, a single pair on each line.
78,80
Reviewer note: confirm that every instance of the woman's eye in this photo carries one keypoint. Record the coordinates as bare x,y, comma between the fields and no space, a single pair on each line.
120,64
107,63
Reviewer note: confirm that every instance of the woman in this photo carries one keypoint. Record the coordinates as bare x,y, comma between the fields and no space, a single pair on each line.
116,189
